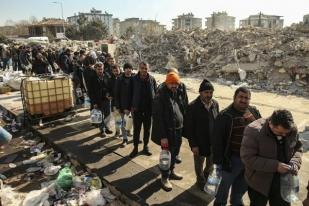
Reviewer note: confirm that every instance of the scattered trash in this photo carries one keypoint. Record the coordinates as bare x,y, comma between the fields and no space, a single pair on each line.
33,169
65,178
94,198
12,165
37,148
51,170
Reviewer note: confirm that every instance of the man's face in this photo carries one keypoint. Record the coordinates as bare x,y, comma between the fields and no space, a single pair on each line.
143,70
128,71
172,86
111,61
99,70
206,95
242,101
279,130
116,71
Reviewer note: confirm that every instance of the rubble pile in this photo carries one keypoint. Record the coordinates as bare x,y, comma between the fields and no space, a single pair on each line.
274,60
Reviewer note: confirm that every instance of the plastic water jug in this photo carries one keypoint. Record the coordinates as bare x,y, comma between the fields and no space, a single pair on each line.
165,160
87,101
213,181
5,136
96,116
289,187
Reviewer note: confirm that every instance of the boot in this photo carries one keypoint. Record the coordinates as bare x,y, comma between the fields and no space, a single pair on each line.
175,176
124,143
166,185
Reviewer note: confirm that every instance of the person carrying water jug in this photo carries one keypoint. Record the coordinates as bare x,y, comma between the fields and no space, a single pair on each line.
270,149
167,127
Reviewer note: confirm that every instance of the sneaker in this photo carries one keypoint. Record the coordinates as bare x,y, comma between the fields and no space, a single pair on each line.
175,176
166,185
178,159
107,131
134,152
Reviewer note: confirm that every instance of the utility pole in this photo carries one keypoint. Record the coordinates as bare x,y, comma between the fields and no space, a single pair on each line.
61,6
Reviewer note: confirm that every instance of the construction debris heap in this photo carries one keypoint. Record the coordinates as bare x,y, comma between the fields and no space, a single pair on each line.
273,60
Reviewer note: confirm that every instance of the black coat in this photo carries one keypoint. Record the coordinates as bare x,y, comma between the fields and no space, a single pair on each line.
222,135
137,88
197,125
123,93
99,90
163,115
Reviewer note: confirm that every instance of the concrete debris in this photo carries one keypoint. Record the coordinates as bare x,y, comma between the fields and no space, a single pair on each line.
262,54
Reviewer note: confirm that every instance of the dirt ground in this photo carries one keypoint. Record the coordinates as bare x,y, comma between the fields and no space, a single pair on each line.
266,102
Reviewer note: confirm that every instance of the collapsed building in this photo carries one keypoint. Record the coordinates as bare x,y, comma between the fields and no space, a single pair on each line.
274,60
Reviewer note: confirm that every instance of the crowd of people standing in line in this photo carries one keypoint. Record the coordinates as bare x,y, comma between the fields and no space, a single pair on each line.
251,152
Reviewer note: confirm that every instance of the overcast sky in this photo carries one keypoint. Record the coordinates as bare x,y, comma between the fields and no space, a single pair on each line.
161,10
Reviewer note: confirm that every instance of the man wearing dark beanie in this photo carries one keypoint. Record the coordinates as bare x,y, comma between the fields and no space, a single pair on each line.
199,126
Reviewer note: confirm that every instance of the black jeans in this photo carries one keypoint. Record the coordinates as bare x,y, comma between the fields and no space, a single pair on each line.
174,148
274,197
106,111
139,119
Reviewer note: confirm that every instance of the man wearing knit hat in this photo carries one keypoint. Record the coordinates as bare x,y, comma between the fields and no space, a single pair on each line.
181,90
168,111
199,126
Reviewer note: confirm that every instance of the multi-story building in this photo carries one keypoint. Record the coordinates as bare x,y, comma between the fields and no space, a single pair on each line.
263,21
306,19
221,21
94,14
187,22
116,27
141,27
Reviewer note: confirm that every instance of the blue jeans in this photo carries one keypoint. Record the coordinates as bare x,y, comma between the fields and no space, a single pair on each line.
234,178
174,149
123,127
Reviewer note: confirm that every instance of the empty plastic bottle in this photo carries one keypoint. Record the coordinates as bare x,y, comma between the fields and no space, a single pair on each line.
213,181
289,187
165,160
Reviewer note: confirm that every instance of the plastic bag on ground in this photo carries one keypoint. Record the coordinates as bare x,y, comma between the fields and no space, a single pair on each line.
36,197
65,179
9,197
94,198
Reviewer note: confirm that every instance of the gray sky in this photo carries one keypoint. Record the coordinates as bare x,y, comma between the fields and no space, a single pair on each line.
161,10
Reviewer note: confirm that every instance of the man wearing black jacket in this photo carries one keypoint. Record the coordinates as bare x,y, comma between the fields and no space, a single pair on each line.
123,97
226,142
199,125
168,112
144,90
99,96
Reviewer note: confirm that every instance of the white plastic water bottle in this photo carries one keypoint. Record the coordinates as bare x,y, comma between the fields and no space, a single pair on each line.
165,160
289,187
213,181
96,116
